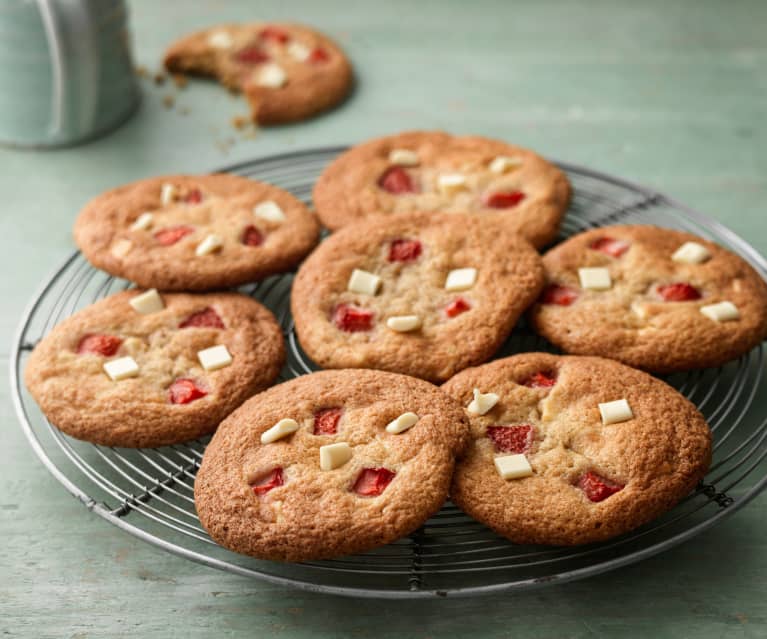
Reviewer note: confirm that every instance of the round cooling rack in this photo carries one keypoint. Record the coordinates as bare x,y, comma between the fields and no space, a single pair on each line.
149,492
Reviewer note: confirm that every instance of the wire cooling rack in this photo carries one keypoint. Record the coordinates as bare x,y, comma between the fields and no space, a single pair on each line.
149,492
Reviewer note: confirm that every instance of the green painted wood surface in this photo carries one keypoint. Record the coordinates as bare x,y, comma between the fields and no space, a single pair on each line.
673,95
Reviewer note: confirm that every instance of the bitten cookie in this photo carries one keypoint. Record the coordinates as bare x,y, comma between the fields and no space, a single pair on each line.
202,232
654,298
287,72
435,171
573,450
140,369
419,294
329,464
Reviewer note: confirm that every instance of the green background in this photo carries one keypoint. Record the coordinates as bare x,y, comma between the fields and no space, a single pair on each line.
673,95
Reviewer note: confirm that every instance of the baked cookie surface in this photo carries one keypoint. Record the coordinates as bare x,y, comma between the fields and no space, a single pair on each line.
185,232
419,294
659,299
163,393
581,476
275,501
436,171
287,72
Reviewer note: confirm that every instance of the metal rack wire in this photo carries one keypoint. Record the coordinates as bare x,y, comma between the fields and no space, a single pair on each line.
149,492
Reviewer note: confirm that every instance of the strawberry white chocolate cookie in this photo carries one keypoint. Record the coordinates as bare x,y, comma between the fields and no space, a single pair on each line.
287,72
654,298
435,171
184,232
421,294
575,449
329,464
141,369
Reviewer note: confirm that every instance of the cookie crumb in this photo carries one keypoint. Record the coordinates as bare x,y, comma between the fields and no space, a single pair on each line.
159,78
179,79
239,122
168,101
141,71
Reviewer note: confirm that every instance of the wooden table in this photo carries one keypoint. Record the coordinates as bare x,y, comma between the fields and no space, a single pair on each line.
672,95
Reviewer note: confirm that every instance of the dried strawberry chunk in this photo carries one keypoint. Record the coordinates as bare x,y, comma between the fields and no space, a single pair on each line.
371,482
274,33
99,344
326,421
184,390
206,318
251,55
504,200
561,295
271,480
541,379
456,307
318,56
596,487
610,246
397,181
352,319
251,236
678,292
193,197
403,250
172,234
511,439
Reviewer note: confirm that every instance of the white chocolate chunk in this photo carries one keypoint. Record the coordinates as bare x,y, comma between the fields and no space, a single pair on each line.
460,279
403,157
595,278
298,51
513,466
404,323
281,429
363,282
220,40
691,253
210,244
402,423
121,248
148,302
482,402
451,183
121,368
215,357
721,312
269,211
504,163
271,76
143,222
168,194
639,309
615,412
334,456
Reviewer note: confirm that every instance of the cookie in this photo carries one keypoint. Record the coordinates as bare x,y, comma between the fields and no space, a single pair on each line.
184,232
142,369
653,298
435,171
287,72
419,294
572,450
329,464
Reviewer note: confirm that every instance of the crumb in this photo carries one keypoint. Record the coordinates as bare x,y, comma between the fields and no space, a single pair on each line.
142,71
168,101
240,121
159,78
179,79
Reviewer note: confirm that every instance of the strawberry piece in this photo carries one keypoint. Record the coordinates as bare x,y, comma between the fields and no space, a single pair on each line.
172,234
511,439
251,236
193,197
183,391
352,319
610,246
95,344
271,480
397,181
371,482
541,379
561,295
596,487
206,318
252,55
274,33
326,421
318,56
504,200
456,307
678,292
404,250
